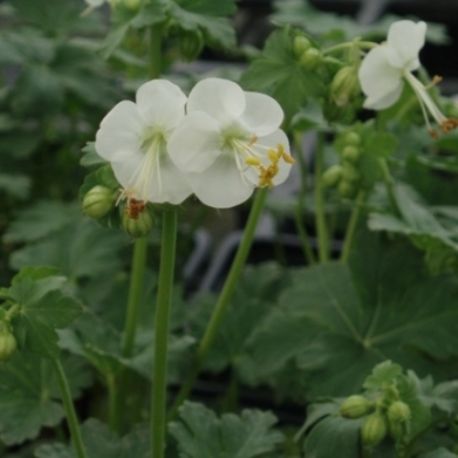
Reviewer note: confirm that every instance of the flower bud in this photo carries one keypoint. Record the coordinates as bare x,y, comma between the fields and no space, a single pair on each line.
191,44
352,138
399,412
346,189
310,59
98,202
8,345
139,226
351,153
332,175
355,406
373,430
301,44
345,86
349,172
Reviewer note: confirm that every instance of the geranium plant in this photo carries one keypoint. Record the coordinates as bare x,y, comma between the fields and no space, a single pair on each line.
351,354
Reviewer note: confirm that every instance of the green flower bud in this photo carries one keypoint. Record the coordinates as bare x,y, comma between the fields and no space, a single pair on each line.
301,44
349,172
139,226
310,59
345,86
399,412
191,44
352,138
332,175
346,189
373,430
351,153
355,406
8,345
98,202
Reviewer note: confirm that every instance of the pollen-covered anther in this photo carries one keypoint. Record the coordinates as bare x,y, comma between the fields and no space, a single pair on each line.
449,124
253,161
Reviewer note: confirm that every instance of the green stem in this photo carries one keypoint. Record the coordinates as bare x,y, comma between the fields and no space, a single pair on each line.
299,212
118,385
114,403
344,46
389,184
224,298
161,331
72,418
320,211
155,51
352,224
138,267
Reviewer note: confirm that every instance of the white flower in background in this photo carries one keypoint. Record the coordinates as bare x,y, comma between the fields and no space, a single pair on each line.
133,138
386,67
230,143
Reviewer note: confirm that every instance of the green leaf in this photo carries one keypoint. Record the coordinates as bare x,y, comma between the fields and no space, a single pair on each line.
335,322
44,306
425,227
14,184
208,16
100,442
81,249
26,403
278,73
42,219
201,434
255,296
383,374
333,436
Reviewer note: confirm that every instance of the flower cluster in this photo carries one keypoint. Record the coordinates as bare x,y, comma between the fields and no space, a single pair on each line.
386,67
220,143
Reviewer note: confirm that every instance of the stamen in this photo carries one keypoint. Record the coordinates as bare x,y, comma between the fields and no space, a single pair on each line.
253,157
429,107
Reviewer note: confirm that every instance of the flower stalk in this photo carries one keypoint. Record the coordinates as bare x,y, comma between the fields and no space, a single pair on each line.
72,419
352,225
224,298
161,331
320,211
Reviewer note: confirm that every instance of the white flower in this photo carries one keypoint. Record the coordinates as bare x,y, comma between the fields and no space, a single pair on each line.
133,138
386,67
230,143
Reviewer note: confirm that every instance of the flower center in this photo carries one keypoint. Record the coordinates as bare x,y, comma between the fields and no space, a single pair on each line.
140,183
429,108
252,156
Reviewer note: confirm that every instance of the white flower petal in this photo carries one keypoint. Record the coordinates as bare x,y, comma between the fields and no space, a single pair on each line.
196,143
173,187
222,99
221,185
405,40
379,80
262,114
119,135
127,170
161,103
169,185
384,101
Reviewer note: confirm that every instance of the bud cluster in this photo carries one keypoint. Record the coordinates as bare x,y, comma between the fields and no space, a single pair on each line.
345,176
382,416
309,56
